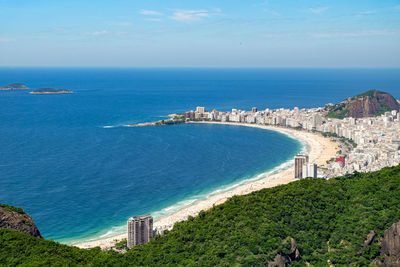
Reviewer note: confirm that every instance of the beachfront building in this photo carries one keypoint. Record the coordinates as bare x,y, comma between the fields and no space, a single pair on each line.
299,161
190,115
201,110
309,170
140,230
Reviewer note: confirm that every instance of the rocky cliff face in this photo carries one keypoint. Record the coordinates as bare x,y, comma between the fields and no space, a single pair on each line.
390,247
16,219
368,104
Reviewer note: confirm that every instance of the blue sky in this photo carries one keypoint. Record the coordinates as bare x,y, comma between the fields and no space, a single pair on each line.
203,33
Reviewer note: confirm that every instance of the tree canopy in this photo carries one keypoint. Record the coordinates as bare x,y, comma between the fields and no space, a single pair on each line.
328,219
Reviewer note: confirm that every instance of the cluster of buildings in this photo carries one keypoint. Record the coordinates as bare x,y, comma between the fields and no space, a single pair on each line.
367,144
376,139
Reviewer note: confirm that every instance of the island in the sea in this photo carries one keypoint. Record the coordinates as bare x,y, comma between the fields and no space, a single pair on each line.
14,86
51,91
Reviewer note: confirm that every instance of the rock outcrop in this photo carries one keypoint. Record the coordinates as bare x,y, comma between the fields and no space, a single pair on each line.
368,104
284,259
390,247
16,219
368,241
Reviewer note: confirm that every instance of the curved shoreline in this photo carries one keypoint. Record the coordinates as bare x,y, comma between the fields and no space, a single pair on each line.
320,149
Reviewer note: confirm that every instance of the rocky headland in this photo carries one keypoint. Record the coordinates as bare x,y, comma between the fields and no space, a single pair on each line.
16,219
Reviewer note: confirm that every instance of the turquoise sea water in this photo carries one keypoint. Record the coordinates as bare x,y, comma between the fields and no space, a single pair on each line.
80,180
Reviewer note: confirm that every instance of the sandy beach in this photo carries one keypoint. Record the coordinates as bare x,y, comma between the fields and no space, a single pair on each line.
320,149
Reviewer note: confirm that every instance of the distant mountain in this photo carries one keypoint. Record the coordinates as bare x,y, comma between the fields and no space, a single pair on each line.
16,219
14,86
369,104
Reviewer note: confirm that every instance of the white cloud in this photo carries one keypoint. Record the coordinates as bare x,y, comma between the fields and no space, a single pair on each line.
5,40
120,33
154,19
123,23
366,13
103,32
318,9
272,12
192,15
264,3
147,12
354,34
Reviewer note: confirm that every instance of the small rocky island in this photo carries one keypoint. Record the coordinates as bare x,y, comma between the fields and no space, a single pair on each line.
14,86
51,91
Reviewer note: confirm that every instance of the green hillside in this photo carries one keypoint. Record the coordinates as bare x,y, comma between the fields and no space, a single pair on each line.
329,220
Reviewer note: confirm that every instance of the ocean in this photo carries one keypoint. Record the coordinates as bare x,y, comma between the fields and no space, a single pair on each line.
71,164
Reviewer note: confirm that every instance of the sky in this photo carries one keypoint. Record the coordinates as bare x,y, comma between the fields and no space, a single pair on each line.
201,33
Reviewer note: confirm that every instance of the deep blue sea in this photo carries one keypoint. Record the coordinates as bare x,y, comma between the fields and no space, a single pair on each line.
79,180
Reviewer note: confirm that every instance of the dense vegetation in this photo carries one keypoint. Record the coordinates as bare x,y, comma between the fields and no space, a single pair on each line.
12,208
369,93
338,111
328,219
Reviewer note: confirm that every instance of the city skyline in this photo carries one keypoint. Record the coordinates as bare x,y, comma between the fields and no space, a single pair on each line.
200,34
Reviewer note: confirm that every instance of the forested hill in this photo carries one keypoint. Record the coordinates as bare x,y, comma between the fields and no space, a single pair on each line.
337,221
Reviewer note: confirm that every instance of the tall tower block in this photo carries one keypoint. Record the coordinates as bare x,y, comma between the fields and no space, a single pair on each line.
299,161
140,230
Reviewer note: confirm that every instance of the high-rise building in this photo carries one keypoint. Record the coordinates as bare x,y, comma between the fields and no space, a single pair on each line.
190,115
201,110
309,170
254,110
316,121
140,230
299,161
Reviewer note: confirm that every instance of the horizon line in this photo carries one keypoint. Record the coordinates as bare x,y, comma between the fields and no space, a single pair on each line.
203,67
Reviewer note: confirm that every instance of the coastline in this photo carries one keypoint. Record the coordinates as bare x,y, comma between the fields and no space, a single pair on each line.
320,149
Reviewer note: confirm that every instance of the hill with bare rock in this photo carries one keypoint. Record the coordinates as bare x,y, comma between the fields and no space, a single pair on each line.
369,104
